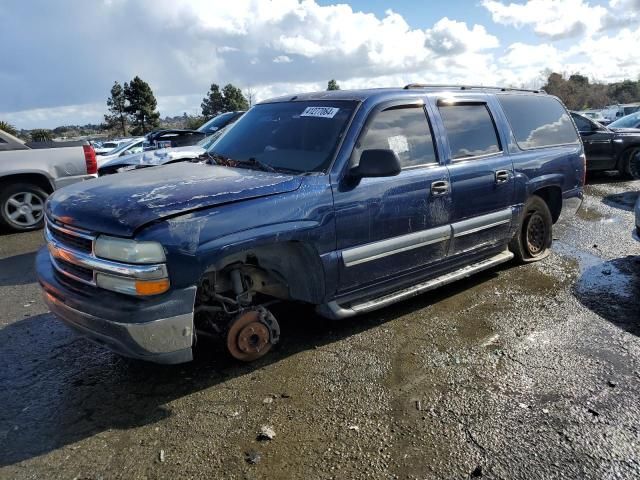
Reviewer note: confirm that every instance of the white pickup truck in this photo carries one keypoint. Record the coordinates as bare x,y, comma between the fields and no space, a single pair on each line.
29,172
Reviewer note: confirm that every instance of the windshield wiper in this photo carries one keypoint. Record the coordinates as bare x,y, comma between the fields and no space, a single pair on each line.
218,159
254,162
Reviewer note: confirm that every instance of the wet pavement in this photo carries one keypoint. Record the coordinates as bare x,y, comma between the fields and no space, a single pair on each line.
520,372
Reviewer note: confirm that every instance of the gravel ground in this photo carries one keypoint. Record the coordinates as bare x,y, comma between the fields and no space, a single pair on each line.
521,372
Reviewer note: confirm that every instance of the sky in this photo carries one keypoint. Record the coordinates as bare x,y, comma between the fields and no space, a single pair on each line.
60,58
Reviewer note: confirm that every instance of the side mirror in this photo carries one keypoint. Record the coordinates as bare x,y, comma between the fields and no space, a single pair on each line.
377,163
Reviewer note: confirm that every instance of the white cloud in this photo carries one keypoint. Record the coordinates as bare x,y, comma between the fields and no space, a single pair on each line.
286,46
551,19
282,59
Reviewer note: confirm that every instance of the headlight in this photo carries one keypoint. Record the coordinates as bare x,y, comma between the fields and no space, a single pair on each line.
129,251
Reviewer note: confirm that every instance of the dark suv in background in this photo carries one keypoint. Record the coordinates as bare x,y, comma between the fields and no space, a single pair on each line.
345,200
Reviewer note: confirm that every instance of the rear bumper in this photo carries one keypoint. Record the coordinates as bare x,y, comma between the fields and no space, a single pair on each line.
571,202
156,330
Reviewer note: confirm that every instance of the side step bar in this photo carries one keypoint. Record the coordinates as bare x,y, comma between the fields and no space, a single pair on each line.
334,311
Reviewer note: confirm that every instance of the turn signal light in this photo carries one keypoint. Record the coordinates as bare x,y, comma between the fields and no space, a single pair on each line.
152,287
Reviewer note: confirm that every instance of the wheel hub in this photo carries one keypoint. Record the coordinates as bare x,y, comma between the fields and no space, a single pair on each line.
536,234
252,334
24,209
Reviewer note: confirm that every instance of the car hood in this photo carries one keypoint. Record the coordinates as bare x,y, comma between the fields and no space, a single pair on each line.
155,157
626,131
121,204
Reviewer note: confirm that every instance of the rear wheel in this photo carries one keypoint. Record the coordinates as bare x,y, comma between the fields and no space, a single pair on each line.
22,207
630,165
533,239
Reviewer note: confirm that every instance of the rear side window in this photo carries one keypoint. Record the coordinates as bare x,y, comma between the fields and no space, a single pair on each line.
404,130
538,121
470,130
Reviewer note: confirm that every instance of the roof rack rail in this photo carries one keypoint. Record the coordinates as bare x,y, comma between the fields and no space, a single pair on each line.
470,87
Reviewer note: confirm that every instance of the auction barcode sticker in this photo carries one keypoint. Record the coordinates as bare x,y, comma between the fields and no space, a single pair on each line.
322,112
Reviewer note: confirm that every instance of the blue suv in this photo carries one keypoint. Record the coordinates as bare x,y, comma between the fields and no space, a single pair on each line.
346,200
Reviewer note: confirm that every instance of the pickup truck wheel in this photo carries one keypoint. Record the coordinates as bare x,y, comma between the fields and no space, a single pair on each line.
252,334
533,239
22,207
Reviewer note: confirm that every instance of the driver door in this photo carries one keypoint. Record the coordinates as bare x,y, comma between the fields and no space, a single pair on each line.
598,144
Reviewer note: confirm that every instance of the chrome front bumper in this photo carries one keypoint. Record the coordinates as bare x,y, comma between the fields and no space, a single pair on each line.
157,329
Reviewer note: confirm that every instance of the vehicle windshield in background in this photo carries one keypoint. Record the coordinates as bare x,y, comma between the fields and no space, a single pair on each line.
217,122
630,121
208,141
296,136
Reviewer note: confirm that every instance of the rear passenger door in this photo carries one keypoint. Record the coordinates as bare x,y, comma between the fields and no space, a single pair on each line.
481,173
393,225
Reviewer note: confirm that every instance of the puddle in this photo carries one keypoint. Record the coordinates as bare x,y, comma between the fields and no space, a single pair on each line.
589,214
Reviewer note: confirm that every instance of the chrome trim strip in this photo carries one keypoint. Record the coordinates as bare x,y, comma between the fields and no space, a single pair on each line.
482,222
142,272
70,230
71,275
391,246
334,310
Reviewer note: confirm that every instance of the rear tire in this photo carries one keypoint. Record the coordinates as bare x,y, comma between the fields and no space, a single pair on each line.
533,239
630,164
22,207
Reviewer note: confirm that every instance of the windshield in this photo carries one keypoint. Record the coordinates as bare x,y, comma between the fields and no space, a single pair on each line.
630,121
216,122
123,147
207,141
296,136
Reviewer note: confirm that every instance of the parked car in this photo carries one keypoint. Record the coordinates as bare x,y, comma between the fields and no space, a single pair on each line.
103,148
630,121
345,200
161,156
607,148
595,115
133,145
614,112
220,121
29,172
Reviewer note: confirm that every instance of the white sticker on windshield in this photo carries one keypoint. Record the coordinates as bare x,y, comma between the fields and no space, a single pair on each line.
322,112
398,144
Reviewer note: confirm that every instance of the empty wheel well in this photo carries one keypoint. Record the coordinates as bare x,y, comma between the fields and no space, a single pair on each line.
288,271
30,178
553,198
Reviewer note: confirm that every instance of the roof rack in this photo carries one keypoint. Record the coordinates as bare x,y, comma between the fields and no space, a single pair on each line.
470,87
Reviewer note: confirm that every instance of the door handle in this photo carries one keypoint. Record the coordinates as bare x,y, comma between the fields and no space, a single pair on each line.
502,176
439,188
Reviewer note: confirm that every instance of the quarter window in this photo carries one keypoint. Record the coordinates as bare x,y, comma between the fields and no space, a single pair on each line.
538,121
405,130
470,130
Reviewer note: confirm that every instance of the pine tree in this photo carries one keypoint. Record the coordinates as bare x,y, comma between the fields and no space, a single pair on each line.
116,119
213,103
332,85
234,99
141,106
227,100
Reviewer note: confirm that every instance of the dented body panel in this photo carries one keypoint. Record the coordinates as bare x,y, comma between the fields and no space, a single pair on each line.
325,237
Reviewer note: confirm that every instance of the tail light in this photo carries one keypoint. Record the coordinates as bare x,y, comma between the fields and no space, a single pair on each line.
90,159
584,168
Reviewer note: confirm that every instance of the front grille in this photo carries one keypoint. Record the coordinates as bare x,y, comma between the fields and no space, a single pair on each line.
76,271
80,244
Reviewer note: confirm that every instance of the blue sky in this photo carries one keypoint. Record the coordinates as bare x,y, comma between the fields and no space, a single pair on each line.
63,56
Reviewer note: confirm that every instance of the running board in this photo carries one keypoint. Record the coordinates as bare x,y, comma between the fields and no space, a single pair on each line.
334,311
